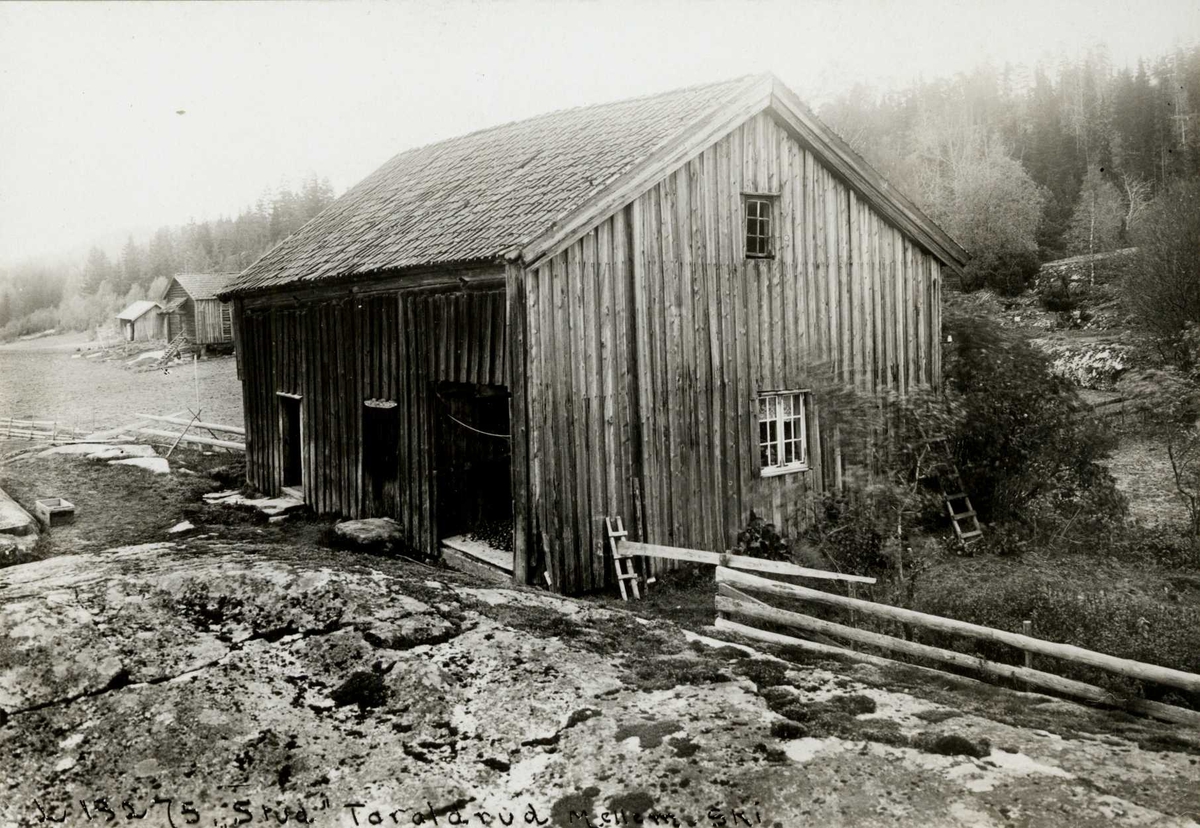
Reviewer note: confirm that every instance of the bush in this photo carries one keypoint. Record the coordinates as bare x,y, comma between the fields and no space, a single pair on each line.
760,539
1006,270
1119,623
1023,432
848,529
1163,285
1056,299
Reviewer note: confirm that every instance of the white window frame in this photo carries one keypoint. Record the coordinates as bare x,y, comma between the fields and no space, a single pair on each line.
764,226
796,413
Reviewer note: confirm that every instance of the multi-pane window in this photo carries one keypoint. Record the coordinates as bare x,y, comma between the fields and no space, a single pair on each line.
782,433
758,227
226,322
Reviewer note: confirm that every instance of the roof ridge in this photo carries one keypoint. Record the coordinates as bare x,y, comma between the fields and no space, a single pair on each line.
471,197
740,80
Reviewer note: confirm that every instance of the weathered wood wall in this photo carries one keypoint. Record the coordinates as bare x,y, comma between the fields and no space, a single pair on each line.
183,319
147,326
335,354
207,325
633,357
648,339
200,318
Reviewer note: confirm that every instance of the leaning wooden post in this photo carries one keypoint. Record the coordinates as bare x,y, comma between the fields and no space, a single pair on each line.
180,437
1027,629
853,590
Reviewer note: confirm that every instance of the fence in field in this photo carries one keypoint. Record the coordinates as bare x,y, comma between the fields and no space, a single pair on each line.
171,429
746,615
227,437
52,430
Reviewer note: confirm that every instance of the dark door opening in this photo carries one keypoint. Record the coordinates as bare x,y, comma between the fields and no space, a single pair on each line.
381,458
292,438
474,464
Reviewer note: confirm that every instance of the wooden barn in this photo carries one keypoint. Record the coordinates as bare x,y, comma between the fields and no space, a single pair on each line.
141,321
609,310
191,307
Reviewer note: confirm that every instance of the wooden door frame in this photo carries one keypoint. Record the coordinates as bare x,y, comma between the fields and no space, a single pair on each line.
364,496
279,481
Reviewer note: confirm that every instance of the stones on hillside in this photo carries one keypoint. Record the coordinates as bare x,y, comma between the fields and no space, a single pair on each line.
269,506
11,545
14,520
157,465
370,533
181,527
123,452
126,454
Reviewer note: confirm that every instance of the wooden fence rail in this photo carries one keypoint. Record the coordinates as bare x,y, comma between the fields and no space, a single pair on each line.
673,553
194,438
1067,652
731,601
173,420
14,429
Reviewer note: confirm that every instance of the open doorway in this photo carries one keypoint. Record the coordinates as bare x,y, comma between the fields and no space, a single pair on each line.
291,437
474,472
381,458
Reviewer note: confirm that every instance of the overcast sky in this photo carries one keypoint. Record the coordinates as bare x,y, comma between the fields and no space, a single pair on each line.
91,144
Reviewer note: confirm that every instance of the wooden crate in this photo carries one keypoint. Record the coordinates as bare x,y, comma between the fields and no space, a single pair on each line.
54,511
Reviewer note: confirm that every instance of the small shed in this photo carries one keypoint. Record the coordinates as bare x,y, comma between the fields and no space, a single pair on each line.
191,307
140,321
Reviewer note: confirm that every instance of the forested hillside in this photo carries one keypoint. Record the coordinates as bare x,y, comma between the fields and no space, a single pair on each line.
36,296
1024,164
1021,165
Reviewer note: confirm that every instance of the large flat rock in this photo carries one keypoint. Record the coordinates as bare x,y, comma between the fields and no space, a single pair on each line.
235,680
14,520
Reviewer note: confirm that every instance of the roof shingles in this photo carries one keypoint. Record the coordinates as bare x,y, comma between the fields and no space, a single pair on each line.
472,198
204,285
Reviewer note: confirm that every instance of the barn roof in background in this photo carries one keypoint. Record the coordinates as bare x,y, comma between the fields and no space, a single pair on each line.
520,189
136,310
204,285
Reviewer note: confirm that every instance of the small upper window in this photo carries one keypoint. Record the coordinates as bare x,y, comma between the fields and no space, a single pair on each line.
759,210
782,432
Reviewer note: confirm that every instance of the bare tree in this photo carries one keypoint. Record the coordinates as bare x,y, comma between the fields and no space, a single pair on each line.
1138,193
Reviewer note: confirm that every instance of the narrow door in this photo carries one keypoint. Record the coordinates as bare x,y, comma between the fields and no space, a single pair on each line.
289,432
381,458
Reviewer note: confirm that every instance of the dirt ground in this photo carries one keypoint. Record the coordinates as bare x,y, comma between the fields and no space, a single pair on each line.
49,379
1143,473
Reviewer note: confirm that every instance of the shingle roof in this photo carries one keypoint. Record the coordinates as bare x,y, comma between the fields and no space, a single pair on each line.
136,310
475,197
204,285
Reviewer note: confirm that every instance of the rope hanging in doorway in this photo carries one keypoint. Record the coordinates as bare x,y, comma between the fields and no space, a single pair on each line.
468,426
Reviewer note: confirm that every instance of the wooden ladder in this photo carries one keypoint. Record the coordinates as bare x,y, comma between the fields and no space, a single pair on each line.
172,351
954,493
627,572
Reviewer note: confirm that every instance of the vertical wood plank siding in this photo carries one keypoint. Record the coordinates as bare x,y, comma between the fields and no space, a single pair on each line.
199,319
335,355
633,358
647,340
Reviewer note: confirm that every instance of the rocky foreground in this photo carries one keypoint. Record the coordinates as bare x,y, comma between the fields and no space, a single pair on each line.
175,685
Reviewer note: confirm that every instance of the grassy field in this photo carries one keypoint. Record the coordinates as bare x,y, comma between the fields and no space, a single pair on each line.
47,379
